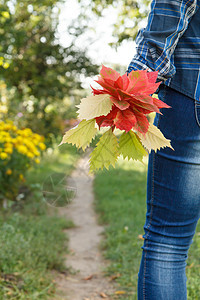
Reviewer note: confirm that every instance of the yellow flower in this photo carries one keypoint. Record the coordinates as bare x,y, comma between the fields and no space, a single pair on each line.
30,154
19,132
37,160
7,126
36,137
30,145
5,133
8,139
42,146
35,141
22,149
25,141
8,145
14,128
26,132
3,155
8,150
19,139
9,172
21,177
37,153
14,141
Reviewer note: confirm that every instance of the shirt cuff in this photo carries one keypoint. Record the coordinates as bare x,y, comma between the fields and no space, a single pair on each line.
136,64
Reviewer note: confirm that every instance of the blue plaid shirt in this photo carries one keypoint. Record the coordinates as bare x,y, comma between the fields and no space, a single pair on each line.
170,44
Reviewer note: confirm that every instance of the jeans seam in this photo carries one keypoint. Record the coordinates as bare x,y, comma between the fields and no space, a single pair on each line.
151,216
196,105
152,200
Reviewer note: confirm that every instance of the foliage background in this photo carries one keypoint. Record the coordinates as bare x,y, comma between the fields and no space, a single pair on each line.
41,78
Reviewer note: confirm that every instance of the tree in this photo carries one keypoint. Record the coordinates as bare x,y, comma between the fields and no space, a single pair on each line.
42,74
130,15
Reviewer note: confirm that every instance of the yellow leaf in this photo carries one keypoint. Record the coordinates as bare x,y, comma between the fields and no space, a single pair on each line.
81,135
105,153
94,106
154,139
120,292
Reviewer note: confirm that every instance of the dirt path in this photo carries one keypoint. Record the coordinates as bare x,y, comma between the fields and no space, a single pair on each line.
85,257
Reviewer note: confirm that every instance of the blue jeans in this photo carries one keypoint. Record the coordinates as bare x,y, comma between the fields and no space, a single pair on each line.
173,200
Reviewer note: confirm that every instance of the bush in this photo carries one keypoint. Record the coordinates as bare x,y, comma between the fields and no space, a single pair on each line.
20,149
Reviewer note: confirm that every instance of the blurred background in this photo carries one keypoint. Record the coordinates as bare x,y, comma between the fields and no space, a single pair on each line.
63,42
50,53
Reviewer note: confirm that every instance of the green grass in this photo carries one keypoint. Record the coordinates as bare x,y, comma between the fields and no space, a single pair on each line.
32,238
120,200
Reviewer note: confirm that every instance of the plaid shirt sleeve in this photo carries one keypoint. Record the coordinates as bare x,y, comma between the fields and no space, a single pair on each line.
167,22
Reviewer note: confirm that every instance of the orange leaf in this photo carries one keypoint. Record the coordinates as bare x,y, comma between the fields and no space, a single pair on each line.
89,277
103,295
140,237
113,277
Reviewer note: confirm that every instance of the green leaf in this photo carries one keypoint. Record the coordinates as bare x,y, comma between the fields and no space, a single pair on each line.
80,135
131,147
105,153
94,106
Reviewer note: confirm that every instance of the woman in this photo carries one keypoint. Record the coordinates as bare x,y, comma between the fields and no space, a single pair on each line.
170,44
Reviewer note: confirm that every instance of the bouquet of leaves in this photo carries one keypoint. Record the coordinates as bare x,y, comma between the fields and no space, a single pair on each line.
123,103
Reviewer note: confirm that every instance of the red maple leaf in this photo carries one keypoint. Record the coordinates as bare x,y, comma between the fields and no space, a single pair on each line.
131,98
